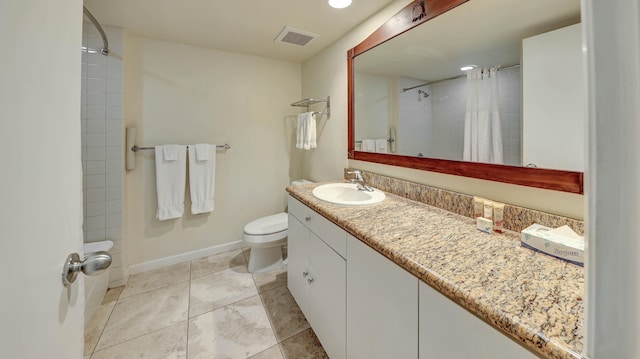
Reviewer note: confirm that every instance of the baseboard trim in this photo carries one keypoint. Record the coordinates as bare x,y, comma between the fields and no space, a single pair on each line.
182,257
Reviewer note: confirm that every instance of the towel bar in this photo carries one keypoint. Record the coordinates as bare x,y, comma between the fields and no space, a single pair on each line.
390,140
226,146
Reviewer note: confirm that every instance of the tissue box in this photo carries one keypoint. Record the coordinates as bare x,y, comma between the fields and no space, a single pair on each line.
558,243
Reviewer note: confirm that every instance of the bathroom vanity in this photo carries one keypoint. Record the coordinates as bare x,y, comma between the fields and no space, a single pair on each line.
407,280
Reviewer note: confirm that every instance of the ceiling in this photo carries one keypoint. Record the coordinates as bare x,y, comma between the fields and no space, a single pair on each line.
247,27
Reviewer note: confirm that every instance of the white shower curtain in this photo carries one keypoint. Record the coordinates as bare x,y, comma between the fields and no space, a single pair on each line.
482,129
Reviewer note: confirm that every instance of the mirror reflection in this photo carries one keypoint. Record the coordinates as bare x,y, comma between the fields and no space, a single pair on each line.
519,103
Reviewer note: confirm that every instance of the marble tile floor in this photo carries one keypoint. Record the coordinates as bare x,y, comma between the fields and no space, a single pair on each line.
206,308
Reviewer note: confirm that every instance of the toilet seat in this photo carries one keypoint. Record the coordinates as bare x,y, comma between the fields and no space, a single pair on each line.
267,237
92,247
267,231
267,225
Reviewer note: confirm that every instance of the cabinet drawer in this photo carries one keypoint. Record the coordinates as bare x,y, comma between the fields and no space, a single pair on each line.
334,236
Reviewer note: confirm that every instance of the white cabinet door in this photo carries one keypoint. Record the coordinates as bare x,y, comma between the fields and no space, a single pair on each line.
317,281
298,252
382,306
447,331
327,305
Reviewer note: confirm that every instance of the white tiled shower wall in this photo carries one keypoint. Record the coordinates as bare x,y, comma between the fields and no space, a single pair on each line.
443,113
449,101
415,120
102,141
510,89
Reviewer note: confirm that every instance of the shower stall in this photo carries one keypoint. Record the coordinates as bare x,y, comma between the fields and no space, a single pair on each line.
102,138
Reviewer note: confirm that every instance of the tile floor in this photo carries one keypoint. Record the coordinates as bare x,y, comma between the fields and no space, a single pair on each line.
206,308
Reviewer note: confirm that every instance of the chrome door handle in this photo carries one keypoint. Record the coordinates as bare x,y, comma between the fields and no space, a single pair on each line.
93,264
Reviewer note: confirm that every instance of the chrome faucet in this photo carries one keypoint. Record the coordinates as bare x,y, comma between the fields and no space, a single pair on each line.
359,181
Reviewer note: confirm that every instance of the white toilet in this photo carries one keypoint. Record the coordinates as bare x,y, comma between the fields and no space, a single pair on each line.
266,236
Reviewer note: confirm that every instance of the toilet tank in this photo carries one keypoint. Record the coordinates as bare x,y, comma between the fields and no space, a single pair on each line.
300,182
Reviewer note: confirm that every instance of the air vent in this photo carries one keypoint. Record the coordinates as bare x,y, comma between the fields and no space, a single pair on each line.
293,36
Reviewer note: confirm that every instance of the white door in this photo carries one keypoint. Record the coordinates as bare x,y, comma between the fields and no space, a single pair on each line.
40,177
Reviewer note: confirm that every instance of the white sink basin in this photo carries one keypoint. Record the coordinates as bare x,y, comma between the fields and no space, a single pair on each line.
347,194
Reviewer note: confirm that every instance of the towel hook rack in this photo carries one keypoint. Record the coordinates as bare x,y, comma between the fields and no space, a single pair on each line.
307,102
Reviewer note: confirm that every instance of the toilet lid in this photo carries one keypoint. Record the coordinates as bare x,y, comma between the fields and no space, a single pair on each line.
267,225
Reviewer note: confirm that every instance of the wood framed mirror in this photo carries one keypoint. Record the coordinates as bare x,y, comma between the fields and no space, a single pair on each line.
417,15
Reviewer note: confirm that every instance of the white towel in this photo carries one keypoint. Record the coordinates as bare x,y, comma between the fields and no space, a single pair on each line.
368,145
202,151
170,152
202,176
306,132
170,180
381,145
300,130
311,130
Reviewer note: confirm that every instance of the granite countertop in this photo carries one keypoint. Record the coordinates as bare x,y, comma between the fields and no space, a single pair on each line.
535,298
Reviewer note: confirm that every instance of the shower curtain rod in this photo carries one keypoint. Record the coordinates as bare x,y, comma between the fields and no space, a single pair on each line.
105,48
454,77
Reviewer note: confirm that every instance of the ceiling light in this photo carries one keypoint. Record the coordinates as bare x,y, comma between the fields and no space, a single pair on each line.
468,67
339,4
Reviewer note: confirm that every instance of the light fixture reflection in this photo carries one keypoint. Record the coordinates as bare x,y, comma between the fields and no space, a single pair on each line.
339,4
468,67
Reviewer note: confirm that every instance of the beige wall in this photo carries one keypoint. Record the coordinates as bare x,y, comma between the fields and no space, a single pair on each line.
177,93
326,74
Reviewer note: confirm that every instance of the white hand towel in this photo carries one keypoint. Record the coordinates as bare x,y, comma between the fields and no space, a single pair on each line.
202,151
381,145
368,145
202,176
170,152
170,181
306,132
311,131
300,131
